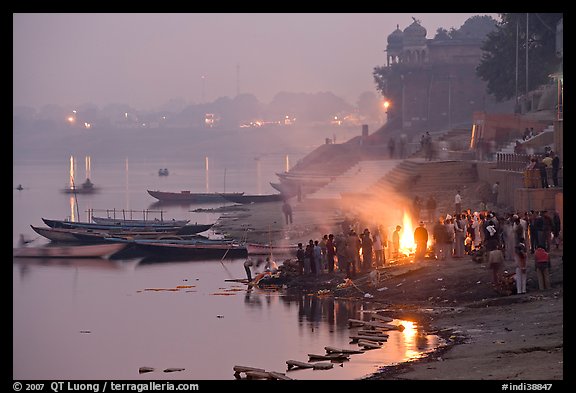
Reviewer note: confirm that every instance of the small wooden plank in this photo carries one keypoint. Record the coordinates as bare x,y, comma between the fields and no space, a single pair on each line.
253,374
330,356
370,332
241,369
389,326
323,366
369,344
342,350
382,318
371,338
374,324
298,364
278,375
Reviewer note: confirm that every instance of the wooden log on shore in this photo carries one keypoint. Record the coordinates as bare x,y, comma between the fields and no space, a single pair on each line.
390,326
241,369
330,356
368,344
342,350
371,332
374,324
298,364
323,366
257,374
382,317
244,369
278,375
357,337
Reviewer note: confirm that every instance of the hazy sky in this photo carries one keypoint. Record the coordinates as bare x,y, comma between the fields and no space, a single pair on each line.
146,59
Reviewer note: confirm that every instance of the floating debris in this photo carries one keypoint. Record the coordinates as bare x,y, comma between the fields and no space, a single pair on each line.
258,373
173,369
329,356
342,350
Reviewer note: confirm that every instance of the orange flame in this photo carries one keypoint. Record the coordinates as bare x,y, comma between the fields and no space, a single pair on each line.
407,245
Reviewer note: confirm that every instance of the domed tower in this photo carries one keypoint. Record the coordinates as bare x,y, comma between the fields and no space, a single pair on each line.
394,47
415,50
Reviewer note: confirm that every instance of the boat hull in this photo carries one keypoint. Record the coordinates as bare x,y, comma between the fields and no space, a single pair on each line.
189,197
192,251
145,223
246,199
179,229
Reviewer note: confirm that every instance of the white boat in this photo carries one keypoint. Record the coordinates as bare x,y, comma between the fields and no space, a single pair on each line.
104,250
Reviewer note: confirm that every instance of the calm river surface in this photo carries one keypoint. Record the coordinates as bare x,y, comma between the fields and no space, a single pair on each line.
103,319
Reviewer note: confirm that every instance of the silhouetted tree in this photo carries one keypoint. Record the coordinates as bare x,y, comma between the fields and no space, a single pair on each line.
498,64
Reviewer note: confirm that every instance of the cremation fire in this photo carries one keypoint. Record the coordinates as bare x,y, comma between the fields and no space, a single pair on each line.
407,245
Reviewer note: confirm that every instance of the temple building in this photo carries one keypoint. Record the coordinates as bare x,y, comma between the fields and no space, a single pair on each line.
432,83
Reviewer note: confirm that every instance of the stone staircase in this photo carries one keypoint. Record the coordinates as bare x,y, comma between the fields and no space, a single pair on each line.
440,178
357,179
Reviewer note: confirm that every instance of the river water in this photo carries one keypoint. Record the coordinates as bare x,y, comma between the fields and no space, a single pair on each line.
104,319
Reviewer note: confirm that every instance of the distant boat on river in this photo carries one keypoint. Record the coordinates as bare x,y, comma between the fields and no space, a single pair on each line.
245,199
191,197
85,188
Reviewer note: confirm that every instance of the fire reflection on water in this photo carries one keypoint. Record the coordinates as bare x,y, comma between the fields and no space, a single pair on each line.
324,321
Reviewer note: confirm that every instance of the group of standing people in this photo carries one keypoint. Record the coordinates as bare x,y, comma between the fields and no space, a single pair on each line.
350,253
537,171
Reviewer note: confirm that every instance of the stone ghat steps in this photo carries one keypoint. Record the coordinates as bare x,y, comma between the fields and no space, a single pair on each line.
358,178
420,176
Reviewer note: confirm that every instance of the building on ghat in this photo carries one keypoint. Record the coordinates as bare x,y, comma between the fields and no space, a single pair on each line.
432,83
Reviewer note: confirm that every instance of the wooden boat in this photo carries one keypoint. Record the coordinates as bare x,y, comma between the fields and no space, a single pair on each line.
267,249
192,249
98,236
245,199
56,234
190,197
178,229
133,222
85,188
73,251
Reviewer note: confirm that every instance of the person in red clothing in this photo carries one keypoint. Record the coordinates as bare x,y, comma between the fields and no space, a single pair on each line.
542,261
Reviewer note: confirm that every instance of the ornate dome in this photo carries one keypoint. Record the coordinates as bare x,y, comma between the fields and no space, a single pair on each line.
396,37
415,34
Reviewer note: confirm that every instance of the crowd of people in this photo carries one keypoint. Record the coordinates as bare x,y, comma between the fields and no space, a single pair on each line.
484,236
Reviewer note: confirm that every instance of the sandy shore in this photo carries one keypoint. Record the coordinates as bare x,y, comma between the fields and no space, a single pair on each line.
488,336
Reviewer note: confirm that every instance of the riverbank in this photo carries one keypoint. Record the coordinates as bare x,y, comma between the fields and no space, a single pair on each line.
489,335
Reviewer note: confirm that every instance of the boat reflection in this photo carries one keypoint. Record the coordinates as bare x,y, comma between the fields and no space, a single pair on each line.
26,265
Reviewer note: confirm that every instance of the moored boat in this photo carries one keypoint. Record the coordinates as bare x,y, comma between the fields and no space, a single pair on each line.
187,229
193,249
133,222
245,199
190,197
